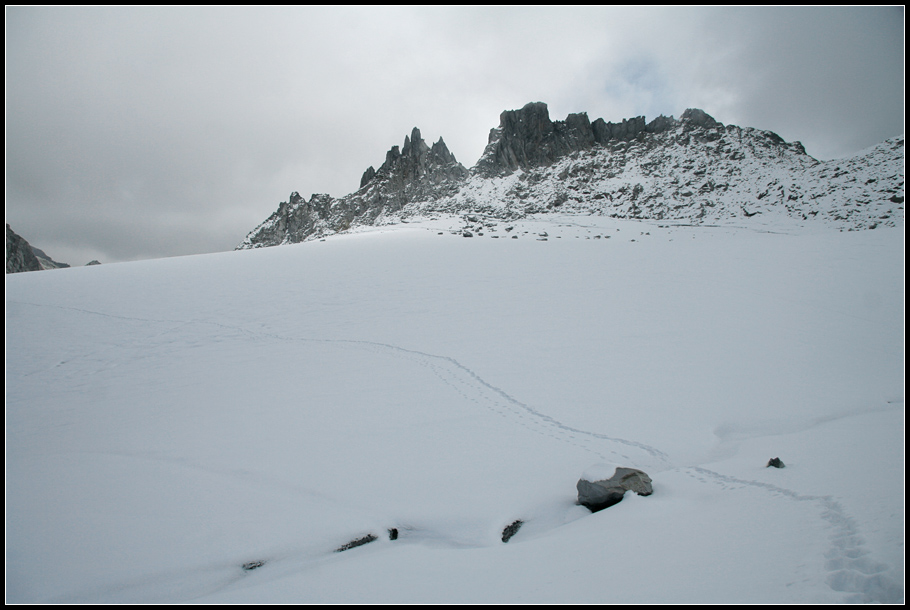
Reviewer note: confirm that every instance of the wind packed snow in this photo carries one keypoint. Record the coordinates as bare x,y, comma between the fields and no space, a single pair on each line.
215,428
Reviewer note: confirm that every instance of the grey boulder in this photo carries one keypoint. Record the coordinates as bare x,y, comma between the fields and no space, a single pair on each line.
600,494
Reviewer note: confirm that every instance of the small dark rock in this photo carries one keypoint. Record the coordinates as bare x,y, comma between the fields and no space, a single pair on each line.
355,543
511,530
393,533
252,565
775,462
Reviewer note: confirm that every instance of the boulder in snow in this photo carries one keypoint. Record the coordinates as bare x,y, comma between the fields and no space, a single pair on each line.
598,493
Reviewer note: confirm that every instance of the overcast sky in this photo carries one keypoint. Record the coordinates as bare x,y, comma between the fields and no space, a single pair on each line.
135,133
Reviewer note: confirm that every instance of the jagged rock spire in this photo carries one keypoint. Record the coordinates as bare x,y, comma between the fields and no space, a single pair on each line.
416,162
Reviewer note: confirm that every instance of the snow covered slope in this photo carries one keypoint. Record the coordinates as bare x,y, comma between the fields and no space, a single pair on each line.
738,177
169,422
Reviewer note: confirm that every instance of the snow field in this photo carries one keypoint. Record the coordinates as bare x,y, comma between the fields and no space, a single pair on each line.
170,420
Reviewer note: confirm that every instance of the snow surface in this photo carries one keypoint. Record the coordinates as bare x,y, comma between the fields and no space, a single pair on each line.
169,421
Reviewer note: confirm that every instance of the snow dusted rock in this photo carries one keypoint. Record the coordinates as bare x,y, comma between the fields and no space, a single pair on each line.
416,172
775,462
597,494
691,170
358,542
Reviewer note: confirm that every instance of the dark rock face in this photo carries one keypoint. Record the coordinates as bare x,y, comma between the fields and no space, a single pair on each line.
775,462
527,138
19,255
598,495
700,118
368,175
416,171
22,256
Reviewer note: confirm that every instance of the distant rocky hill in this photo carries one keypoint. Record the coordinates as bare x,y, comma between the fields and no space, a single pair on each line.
21,256
691,170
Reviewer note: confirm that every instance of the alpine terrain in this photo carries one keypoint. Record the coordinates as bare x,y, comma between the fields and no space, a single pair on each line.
691,170
22,256
616,363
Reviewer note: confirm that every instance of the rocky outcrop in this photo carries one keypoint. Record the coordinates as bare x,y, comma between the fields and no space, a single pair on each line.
600,494
416,172
691,170
46,261
699,118
21,256
527,138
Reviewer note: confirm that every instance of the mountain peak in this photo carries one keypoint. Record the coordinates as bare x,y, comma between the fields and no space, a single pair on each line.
694,170
699,117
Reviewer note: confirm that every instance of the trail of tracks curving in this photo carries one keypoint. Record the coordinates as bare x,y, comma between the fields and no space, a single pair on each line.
850,571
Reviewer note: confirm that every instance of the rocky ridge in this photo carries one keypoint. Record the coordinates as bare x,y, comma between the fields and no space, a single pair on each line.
691,170
414,174
22,256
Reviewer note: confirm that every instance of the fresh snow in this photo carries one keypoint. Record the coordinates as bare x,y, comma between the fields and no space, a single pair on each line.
171,421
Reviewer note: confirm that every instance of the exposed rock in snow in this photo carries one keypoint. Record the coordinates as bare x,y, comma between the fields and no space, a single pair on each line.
357,542
415,173
21,256
511,529
694,170
599,494
775,462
